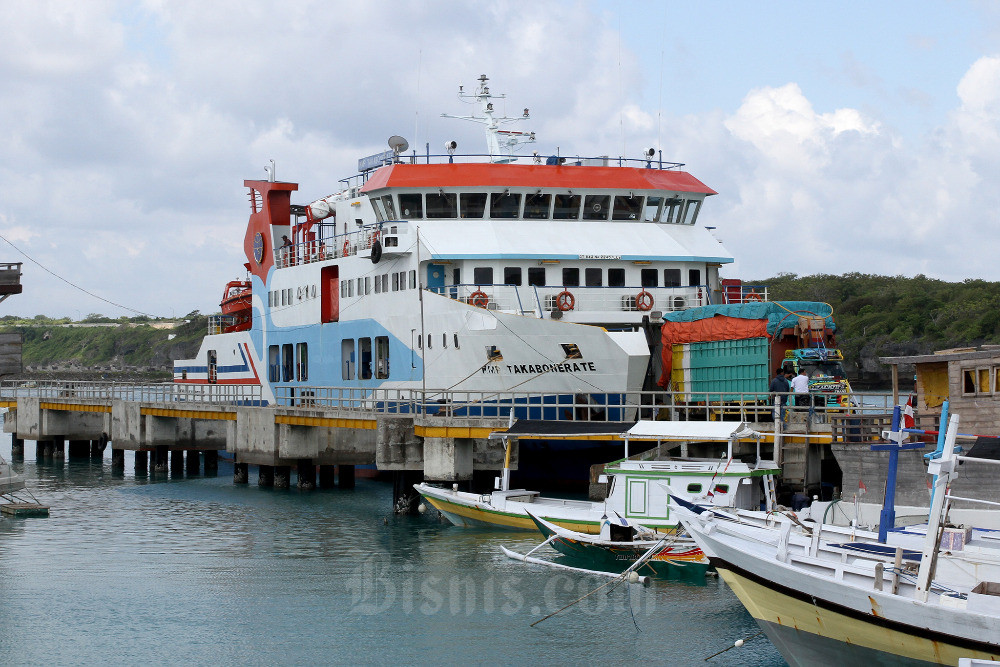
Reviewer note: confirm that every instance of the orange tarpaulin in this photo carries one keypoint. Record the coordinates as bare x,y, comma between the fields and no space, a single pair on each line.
719,327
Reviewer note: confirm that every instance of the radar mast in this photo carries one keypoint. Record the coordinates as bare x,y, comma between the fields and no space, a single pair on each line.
500,143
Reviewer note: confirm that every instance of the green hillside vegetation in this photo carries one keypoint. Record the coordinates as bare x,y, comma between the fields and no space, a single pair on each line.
892,316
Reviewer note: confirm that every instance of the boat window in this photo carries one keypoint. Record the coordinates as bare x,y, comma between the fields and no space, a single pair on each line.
536,275
567,207
378,285
571,277
377,206
595,207
347,358
273,367
473,204
694,277
286,362
652,213
482,275
593,277
536,207
382,357
671,210
442,205
368,285
504,205
413,279
671,277
411,205
722,488
456,340
512,275
691,212
649,277
385,282
395,281
616,277
302,362
390,211
428,341
627,208
364,358
694,487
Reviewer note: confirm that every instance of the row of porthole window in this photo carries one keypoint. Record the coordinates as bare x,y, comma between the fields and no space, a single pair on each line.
287,296
592,277
695,487
401,280
444,341
535,206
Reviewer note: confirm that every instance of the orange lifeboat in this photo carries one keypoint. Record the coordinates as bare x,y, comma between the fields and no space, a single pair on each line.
236,304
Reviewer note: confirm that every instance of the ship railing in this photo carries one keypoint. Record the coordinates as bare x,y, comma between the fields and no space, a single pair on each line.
218,324
734,294
566,298
319,250
625,406
146,392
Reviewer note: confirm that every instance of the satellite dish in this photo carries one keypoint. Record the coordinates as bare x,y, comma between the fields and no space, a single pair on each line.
398,144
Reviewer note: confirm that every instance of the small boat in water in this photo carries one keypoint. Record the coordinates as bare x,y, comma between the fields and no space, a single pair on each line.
621,543
829,603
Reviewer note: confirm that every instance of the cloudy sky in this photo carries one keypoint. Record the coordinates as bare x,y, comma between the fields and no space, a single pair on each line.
847,136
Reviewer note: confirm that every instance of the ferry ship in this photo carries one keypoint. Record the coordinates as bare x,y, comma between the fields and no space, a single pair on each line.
541,276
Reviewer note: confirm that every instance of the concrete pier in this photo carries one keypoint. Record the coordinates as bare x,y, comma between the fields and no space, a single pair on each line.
211,457
192,462
98,446
17,446
177,462
265,476
117,459
345,476
282,477
241,473
58,447
404,497
160,458
306,470
141,462
327,476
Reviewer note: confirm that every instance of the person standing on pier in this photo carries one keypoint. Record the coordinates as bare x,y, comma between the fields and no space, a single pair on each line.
800,385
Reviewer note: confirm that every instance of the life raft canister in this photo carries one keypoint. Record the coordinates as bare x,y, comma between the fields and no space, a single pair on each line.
644,300
565,300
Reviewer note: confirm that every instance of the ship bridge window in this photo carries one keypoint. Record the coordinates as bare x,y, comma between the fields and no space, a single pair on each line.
379,211
512,275
536,207
473,204
649,277
571,277
482,275
390,211
671,210
595,207
442,205
411,206
593,277
627,208
536,276
616,277
505,205
691,212
652,213
671,277
567,207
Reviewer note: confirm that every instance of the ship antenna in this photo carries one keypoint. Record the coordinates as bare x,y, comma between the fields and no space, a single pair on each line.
499,143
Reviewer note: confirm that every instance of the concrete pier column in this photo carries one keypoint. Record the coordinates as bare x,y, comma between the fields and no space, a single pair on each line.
79,449
141,462
58,447
211,462
192,463
327,474
98,446
117,459
306,470
177,461
16,446
282,477
43,449
265,476
345,477
404,497
160,455
241,473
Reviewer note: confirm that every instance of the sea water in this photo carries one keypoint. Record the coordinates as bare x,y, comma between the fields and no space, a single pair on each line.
162,569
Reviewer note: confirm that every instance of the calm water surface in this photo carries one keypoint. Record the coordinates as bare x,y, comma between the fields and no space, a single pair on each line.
161,569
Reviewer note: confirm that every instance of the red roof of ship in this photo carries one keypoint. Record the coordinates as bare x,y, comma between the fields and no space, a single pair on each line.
485,175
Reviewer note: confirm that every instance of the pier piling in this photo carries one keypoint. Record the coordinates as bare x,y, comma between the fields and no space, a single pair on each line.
192,464
265,476
79,449
282,475
141,462
307,474
241,473
345,476
404,497
160,459
177,462
17,447
58,447
327,475
117,459
211,462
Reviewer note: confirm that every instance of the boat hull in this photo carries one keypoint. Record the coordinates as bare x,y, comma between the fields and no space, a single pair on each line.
468,516
810,631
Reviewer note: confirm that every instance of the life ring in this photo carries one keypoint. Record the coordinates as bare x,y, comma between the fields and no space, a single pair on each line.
565,300
347,247
753,296
643,300
479,299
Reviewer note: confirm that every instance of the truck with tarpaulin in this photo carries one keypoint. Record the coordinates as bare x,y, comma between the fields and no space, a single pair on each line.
726,354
